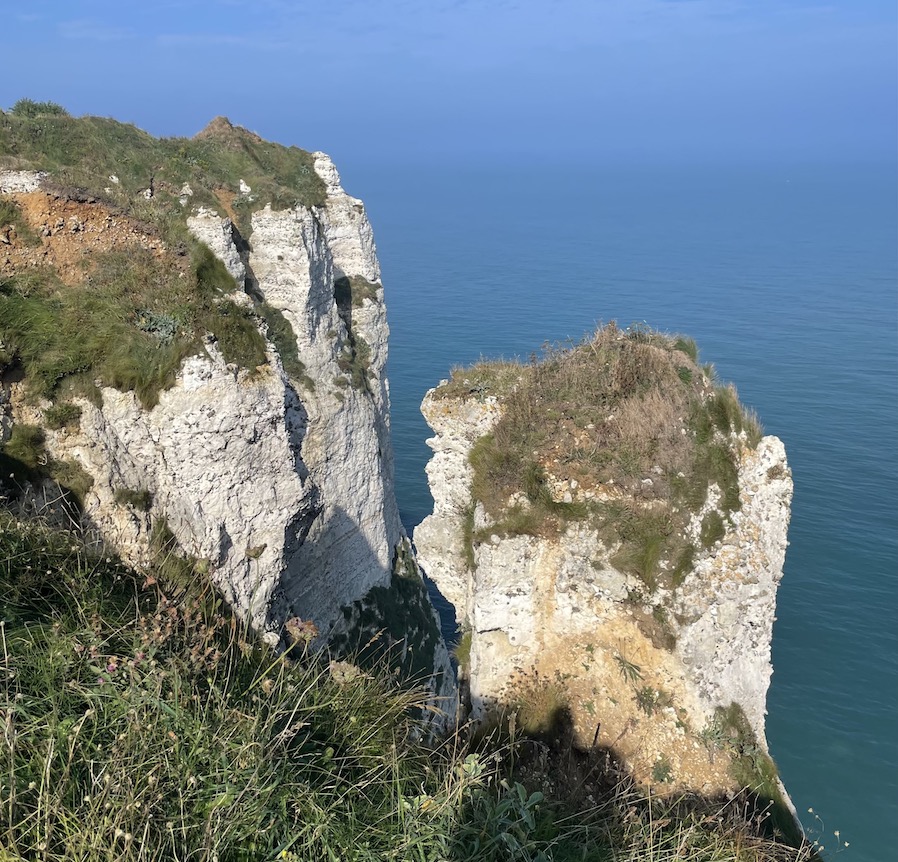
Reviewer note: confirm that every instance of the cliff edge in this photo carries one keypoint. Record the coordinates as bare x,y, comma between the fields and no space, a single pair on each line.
193,341
610,525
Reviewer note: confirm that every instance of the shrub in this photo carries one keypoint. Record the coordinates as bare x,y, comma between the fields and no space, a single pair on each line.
62,415
29,108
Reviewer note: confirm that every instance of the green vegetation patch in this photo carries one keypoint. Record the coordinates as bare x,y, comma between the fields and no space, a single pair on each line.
713,528
24,458
355,359
138,499
26,444
30,108
353,290
355,363
62,415
283,337
483,379
11,217
161,728
84,152
752,767
467,537
130,324
627,412
394,624
142,724
461,652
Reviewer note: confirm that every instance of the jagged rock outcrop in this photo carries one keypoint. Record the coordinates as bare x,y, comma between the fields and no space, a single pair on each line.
649,667
278,478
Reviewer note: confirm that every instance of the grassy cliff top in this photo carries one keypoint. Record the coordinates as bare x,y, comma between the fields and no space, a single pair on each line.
625,428
85,152
100,280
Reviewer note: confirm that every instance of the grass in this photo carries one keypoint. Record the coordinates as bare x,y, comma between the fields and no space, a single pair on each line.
751,767
355,362
26,444
352,291
11,217
24,458
62,415
30,108
540,708
713,529
137,316
130,324
145,723
85,152
71,476
461,652
483,379
140,500
630,413
282,336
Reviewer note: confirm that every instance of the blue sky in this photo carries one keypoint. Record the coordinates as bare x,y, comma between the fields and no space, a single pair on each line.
628,80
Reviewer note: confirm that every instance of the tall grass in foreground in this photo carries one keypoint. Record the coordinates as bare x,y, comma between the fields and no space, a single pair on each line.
142,725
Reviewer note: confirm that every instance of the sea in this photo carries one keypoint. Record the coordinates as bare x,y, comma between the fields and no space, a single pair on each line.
787,277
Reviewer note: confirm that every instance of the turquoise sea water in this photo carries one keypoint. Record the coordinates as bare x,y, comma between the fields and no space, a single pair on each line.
787,279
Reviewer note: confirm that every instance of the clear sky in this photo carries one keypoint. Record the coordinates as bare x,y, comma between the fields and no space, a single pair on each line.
633,80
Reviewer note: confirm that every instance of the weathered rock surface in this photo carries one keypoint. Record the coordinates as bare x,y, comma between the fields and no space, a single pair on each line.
20,181
283,486
218,233
642,672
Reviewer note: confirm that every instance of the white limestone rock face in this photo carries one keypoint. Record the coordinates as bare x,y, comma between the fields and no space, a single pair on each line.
282,484
218,233
12,182
349,234
728,600
458,425
346,449
220,455
557,610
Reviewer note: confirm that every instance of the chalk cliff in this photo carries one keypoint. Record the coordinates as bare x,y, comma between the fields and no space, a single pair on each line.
603,565
275,474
